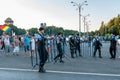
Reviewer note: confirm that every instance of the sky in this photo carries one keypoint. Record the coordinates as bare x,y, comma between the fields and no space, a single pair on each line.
30,13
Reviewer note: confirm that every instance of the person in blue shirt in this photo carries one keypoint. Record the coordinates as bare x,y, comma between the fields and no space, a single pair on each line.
26,44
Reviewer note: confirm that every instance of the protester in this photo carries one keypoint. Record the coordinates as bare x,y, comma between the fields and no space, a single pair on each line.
33,45
3,38
49,44
7,45
26,45
16,46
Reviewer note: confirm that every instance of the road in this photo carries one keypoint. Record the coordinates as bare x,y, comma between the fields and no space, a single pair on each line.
81,68
33,75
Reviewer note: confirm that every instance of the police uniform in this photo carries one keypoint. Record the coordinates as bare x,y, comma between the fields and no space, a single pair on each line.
72,46
77,45
43,54
59,48
97,46
113,44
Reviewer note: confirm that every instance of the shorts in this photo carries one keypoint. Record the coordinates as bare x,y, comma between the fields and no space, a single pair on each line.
16,49
26,48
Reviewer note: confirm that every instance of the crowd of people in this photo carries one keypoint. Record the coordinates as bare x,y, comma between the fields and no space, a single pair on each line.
12,45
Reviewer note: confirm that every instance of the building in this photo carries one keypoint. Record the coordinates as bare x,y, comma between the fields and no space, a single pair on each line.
9,21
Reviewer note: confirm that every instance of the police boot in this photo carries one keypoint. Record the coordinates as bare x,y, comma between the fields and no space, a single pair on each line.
55,61
80,55
42,70
61,61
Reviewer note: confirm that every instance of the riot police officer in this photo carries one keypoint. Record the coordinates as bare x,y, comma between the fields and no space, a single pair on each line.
59,48
72,45
113,46
97,46
77,45
43,54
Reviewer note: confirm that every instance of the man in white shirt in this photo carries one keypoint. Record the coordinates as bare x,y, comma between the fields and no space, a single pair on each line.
7,44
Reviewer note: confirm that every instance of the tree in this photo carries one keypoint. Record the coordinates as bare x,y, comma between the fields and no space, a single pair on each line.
33,31
113,26
53,30
69,32
102,28
115,30
21,31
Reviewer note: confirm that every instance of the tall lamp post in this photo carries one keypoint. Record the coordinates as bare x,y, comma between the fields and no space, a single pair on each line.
87,27
84,20
79,5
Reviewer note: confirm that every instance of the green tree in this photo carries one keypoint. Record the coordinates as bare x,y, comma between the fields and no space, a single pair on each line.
69,32
113,26
33,31
18,31
102,28
21,31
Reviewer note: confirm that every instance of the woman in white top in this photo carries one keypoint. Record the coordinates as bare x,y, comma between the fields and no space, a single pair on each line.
33,44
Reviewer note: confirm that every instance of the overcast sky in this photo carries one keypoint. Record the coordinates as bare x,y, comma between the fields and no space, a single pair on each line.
30,13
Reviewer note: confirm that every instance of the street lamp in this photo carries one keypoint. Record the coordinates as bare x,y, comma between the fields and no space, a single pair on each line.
87,27
84,20
79,5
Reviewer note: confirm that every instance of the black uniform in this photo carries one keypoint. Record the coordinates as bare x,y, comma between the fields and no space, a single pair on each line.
113,43
97,46
59,48
77,45
43,54
64,44
72,46
3,44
